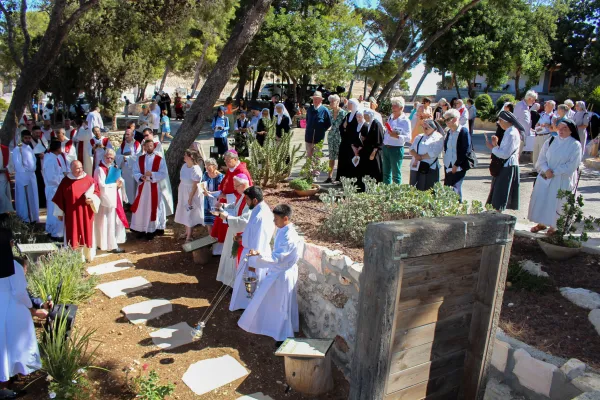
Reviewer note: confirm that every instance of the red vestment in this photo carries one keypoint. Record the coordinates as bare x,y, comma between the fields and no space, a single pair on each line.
219,229
153,186
78,216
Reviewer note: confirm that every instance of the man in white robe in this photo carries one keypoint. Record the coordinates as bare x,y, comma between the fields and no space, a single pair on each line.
56,167
83,145
236,215
94,119
126,156
99,144
26,190
47,131
273,311
110,222
6,168
155,109
256,236
149,208
67,146
165,184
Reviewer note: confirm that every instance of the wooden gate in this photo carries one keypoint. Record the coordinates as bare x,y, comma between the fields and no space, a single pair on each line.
430,298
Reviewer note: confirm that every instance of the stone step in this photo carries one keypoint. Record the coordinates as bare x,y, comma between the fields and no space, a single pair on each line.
207,375
110,267
255,396
124,286
140,313
172,336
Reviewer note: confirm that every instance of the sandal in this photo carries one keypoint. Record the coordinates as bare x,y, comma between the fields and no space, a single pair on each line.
537,228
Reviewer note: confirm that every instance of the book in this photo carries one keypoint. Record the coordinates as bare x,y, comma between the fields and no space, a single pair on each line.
113,175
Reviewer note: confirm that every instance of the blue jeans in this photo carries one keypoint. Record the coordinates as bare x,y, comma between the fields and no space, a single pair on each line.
392,164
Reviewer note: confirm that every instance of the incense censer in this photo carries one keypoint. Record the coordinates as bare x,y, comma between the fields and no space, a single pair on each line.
250,281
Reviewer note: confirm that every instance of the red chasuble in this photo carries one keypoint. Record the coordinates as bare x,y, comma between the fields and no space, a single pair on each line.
219,229
78,216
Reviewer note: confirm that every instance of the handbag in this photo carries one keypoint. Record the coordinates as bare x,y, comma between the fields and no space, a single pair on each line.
497,164
424,167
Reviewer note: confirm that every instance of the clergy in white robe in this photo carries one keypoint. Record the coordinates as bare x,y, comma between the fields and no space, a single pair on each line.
94,119
126,156
26,190
67,146
110,222
56,167
47,131
236,215
557,167
273,310
165,184
256,236
83,145
148,209
99,144
6,168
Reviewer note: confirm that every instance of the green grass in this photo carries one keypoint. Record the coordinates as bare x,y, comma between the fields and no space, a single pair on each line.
521,279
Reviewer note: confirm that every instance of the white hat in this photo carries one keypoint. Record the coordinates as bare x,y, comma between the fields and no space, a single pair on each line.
317,94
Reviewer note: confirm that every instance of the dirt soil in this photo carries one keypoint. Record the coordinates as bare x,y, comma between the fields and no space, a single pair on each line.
190,288
549,321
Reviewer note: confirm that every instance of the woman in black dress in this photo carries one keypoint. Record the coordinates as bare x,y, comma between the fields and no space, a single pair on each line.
369,149
263,126
348,134
283,122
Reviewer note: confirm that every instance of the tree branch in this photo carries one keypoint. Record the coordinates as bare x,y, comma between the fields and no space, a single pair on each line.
84,6
26,36
10,29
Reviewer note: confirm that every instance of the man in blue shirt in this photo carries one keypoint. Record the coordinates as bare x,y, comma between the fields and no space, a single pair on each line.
317,123
220,127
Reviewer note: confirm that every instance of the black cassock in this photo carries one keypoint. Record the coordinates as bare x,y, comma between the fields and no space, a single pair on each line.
349,136
371,138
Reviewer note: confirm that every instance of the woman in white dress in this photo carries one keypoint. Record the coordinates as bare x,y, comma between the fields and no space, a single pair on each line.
19,352
190,206
557,167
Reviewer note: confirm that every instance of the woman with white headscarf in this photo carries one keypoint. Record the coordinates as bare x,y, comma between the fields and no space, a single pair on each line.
426,150
582,121
504,191
557,167
263,126
348,134
283,121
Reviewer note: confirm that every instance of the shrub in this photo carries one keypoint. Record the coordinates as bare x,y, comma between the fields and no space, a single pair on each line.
66,359
148,388
313,165
485,107
571,216
300,184
349,212
22,231
593,100
64,266
521,279
505,98
3,105
385,107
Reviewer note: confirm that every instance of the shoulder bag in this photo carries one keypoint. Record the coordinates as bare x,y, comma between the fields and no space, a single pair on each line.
424,167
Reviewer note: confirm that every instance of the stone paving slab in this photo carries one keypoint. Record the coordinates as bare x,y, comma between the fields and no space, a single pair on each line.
172,336
124,286
208,375
255,396
110,267
139,313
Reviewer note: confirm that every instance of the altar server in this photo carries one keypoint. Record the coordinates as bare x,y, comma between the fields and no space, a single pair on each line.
236,215
94,119
6,168
99,144
257,236
56,167
190,208
149,208
273,311
110,221
26,190
83,143
126,155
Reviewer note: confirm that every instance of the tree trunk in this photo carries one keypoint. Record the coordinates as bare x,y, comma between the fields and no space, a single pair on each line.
243,70
517,79
240,37
26,85
424,47
164,78
199,66
456,85
257,84
114,123
141,93
425,73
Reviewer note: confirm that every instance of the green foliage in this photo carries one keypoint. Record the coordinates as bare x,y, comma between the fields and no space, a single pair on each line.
22,231
349,212
586,90
63,265
313,165
66,359
571,216
149,387
485,107
385,107
593,99
272,162
300,184
521,279
505,98
3,105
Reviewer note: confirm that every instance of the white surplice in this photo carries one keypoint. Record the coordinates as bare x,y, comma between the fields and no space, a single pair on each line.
228,262
84,149
5,195
26,190
47,134
563,157
141,219
273,311
165,184
125,158
70,152
19,353
94,119
257,236
55,169
98,154
109,230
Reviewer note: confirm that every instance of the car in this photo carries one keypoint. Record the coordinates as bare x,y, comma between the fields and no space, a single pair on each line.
272,89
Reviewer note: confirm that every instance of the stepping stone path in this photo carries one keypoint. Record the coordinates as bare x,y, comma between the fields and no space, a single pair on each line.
255,396
124,286
110,267
173,336
140,313
582,297
208,375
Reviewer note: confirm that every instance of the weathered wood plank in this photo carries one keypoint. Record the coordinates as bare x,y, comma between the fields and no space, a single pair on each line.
428,313
444,385
437,290
441,330
425,371
439,266
428,352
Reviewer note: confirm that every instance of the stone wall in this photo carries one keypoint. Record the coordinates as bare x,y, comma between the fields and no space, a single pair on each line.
328,299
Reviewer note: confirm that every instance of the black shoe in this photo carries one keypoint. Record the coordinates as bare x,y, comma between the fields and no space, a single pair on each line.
328,180
118,250
160,232
278,344
149,236
533,173
57,239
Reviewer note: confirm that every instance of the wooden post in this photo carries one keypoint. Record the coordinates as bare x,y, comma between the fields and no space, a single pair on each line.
310,376
431,291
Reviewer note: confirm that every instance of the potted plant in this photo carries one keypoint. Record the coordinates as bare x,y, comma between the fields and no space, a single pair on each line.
563,244
305,186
